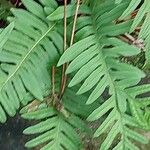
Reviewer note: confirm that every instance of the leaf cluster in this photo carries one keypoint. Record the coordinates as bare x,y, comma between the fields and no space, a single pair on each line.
100,85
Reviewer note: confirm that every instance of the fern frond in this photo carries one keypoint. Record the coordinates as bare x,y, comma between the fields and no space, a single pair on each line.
58,13
77,103
143,15
140,15
95,59
33,42
116,125
24,58
56,131
132,6
145,35
139,106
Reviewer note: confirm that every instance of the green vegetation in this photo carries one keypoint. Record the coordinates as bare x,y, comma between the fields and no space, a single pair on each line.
67,66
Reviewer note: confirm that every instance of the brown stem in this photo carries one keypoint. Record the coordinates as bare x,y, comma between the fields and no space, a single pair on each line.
132,41
53,81
74,23
65,42
71,43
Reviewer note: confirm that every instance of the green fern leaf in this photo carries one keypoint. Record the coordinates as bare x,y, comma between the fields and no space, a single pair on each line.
58,13
143,10
25,56
111,136
132,6
77,103
101,71
56,131
5,34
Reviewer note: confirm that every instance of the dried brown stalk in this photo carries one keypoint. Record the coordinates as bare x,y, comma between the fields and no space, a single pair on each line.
64,77
65,44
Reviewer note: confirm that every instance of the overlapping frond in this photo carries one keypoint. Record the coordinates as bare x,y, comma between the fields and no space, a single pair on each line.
77,103
56,130
139,105
105,87
143,15
95,59
31,47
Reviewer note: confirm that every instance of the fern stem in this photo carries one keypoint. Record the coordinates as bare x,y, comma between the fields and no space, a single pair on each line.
65,25
25,57
74,23
64,79
65,45
53,81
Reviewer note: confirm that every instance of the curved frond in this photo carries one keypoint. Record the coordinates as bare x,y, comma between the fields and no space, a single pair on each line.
31,47
95,61
55,130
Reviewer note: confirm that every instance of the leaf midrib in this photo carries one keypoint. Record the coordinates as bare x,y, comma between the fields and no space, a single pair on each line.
26,56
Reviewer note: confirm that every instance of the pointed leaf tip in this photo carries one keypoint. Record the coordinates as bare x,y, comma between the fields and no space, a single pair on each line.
89,102
4,35
59,63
